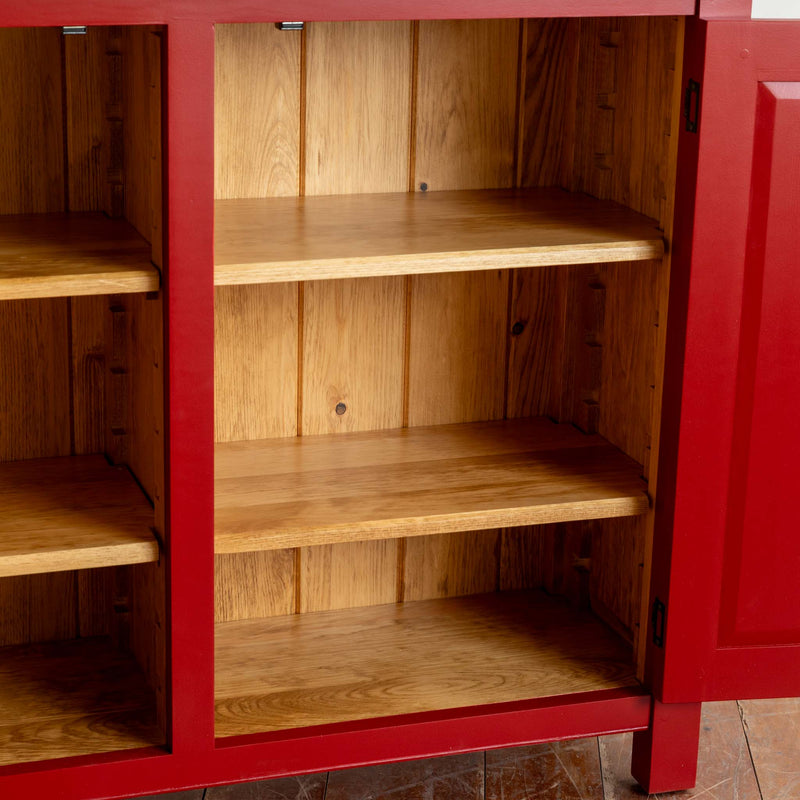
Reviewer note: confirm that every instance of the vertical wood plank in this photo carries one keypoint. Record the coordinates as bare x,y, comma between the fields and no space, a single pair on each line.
256,111
255,375
34,392
353,355
467,104
458,336
141,117
95,602
31,144
15,620
254,585
88,372
255,352
533,335
348,575
450,564
457,367
86,94
549,102
358,104
53,607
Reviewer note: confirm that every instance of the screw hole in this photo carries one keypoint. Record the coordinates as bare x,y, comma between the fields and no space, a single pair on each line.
340,409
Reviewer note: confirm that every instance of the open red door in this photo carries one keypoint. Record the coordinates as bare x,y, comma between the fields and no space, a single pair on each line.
726,574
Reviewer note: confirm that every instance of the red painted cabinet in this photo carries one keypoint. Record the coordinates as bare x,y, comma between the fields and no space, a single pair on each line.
412,453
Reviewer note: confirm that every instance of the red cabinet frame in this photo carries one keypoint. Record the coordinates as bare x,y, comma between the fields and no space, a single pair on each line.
732,342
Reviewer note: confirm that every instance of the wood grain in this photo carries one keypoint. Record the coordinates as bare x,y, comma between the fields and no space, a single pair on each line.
34,392
71,513
88,372
255,355
458,334
72,698
348,575
548,124
256,111
316,238
353,339
466,104
59,255
435,654
358,102
86,95
316,490
254,585
141,99
32,145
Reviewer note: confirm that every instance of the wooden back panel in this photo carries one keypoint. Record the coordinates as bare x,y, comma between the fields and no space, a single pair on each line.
85,374
392,106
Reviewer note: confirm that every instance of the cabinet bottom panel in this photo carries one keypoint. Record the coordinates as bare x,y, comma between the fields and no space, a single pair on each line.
338,666
73,698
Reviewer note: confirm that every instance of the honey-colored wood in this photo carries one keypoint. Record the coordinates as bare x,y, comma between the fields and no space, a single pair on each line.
34,392
72,698
76,254
436,654
358,101
141,97
86,95
256,111
87,316
314,490
353,355
548,113
71,513
450,565
254,585
348,575
466,104
458,334
352,380
315,238
32,146
255,353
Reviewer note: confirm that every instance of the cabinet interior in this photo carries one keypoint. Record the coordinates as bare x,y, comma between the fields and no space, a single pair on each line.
441,287
82,586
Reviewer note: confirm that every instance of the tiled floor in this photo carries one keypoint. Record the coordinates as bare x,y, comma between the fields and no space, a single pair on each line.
748,751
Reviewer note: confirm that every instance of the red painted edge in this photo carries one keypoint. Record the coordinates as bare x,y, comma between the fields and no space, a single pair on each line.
121,12
726,9
356,744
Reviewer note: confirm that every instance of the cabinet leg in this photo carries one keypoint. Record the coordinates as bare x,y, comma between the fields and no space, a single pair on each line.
665,755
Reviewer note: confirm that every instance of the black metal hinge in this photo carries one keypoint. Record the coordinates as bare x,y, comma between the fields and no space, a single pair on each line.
691,106
659,622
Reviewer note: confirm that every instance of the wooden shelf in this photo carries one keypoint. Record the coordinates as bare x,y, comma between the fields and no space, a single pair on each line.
60,255
71,513
334,666
349,236
311,490
70,699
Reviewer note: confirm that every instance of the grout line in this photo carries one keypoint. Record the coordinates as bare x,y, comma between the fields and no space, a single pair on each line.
602,771
749,749
325,790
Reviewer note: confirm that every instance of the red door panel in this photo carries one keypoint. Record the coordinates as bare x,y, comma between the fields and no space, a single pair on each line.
727,550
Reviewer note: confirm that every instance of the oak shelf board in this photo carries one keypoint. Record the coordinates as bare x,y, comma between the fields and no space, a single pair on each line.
335,666
74,512
72,698
350,236
65,255
291,492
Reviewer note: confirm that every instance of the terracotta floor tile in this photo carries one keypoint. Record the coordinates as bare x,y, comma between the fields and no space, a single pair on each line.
304,787
724,771
449,778
774,736
557,771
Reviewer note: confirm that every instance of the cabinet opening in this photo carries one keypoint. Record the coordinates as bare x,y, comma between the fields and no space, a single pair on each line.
440,272
82,640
